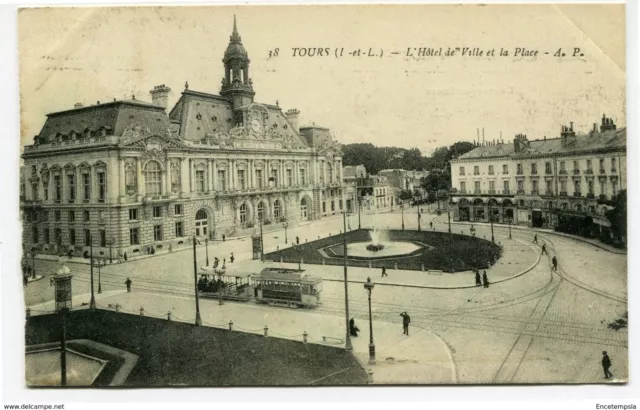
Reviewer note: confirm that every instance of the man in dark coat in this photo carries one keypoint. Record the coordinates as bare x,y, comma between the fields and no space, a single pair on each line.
554,262
535,238
544,249
224,238
606,364
232,258
478,280
128,283
353,329
485,279
297,240
405,323
384,272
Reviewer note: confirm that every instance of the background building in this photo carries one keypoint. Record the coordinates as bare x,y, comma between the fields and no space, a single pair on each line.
129,177
541,182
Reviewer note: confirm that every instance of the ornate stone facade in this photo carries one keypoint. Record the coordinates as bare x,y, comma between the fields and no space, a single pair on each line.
137,178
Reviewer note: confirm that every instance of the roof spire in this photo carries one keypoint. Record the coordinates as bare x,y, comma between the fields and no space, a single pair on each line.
235,37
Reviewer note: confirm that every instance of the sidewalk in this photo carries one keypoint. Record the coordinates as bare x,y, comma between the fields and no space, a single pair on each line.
421,357
590,241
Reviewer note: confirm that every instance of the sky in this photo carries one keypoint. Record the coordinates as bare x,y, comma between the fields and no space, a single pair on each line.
98,54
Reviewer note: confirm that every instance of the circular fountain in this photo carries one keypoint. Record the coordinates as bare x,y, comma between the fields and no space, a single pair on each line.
380,246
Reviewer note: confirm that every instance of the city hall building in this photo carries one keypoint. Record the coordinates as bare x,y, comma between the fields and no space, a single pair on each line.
535,182
127,176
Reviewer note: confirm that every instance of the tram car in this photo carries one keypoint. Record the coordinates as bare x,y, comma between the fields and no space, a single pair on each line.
286,287
232,287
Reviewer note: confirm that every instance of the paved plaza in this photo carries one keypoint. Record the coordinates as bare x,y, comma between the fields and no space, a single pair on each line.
532,325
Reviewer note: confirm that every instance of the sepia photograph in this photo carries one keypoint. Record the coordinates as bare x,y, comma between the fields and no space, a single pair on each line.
323,195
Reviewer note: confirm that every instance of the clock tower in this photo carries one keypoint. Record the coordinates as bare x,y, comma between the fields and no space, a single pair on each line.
236,84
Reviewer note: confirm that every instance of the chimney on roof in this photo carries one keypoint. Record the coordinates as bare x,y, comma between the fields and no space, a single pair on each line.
160,96
567,136
607,124
77,105
98,103
292,117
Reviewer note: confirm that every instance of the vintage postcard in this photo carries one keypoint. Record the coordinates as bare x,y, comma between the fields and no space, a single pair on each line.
324,195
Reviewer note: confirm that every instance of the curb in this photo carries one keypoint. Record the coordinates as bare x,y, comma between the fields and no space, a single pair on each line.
446,287
547,231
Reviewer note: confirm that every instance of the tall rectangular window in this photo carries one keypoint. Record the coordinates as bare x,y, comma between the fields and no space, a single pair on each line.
476,170
588,164
57,236
274,176
85,216
575,165
562,166
242,183
35,234
505,186
134,236
519,168
463,187
177,210
520,186
222,180
86,182
47,237
259,180
461,170
303,177
179,230
157,212
34,191
563,186
534,186
72,216
505,169
102,186
613,164
133,214
549,186
103,238
71,182
590,184
87,237
157,232
289,177
534,169
72,236
490,169
45,191
492,187
200,181
56,216
477,187
57,183
547,167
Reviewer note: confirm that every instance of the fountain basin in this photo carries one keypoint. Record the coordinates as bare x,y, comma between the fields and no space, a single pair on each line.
43,368
359,249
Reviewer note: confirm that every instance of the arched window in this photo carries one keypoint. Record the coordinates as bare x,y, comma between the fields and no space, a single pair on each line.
153,178
277,210
261,211
202,223
304,214
243,213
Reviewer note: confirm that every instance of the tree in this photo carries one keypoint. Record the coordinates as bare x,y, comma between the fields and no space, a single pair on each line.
460,148
406,194
618,216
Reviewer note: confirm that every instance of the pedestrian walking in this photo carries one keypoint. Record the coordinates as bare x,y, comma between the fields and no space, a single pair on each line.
606,364
232,258
216,262
353,329
485,279
170,248
297,240
554,263
125,256
405,322
535,238
25,280
224,237
478,280
544,249
128,283
224,261
431,224
384,272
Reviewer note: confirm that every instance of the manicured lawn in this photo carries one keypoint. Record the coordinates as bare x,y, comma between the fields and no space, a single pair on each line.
449,252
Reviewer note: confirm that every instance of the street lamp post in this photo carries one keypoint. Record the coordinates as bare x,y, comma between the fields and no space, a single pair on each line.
491,221
195,282
402,211
510,228
111,250
347,345
206,248
372,347
99,276
261,242
285,225
92,303
419,217
33,264
359,205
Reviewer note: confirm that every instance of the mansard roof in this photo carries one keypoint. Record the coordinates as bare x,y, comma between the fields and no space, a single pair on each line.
114,117
595,141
